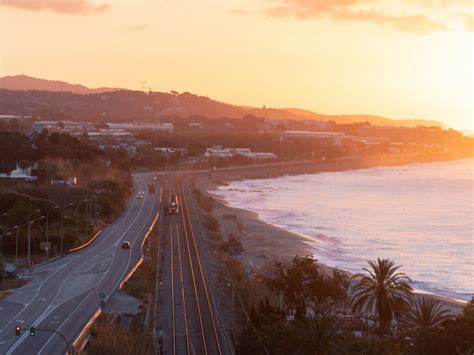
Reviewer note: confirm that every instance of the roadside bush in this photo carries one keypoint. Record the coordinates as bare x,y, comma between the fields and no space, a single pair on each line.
216,237
211,223
232,246
206,203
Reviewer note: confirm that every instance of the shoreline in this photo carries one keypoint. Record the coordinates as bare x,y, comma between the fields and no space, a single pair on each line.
263,241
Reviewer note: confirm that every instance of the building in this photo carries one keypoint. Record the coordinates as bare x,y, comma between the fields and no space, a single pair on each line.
333,138
12,117
62,126
131,150
220,152
166,127
20,173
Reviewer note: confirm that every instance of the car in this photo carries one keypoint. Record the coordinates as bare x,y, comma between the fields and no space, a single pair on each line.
126,245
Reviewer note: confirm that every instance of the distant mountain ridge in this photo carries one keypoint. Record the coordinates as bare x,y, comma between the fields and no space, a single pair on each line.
24,83
123,103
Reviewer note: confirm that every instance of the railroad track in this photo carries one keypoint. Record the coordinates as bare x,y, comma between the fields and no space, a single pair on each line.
191,326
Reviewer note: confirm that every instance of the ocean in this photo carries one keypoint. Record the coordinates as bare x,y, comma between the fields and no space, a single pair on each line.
420,215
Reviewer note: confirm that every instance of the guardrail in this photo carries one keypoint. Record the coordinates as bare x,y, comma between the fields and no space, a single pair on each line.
83,338
80,247
127,277
156,343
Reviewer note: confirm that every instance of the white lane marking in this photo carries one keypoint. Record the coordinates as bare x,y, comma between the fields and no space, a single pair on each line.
74,310
21,321
26,305
105,234
130,254
38,320
105,274
51,308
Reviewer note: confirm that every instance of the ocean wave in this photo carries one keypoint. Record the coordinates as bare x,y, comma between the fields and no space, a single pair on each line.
419,215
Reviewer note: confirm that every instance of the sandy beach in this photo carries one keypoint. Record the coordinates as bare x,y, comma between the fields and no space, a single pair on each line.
263,242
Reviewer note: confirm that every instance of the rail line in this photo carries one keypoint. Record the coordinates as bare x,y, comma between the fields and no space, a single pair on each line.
189,320
173,301
191,237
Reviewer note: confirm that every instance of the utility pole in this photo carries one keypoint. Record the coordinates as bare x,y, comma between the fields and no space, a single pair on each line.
143,83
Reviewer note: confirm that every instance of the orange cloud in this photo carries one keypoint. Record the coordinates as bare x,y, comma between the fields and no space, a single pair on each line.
76,7
441,2
419,24
309,8
352,10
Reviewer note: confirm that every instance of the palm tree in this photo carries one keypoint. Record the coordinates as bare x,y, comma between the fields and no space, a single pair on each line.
426,313
383,290
320,334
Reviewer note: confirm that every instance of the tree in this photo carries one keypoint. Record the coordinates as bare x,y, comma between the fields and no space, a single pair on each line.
383,290
367,346
302,285
426,313
468,310
319,335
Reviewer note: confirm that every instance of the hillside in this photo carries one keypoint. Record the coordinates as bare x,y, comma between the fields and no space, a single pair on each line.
375,120
24,95
24,82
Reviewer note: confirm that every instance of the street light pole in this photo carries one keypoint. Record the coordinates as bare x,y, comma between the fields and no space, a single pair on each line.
62,225
16,244
4,234
85,220
29,240
29,236
47,230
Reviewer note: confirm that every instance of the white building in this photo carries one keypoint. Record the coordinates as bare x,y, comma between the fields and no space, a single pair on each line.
220,152
12,117
334,138
55,126
21,174
138,126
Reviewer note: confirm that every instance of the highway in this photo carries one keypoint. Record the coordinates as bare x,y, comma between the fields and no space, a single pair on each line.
64,294
186,315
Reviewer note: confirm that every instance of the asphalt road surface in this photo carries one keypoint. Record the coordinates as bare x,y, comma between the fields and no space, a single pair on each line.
64,294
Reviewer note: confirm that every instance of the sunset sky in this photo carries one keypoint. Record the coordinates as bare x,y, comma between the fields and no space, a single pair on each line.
400,59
